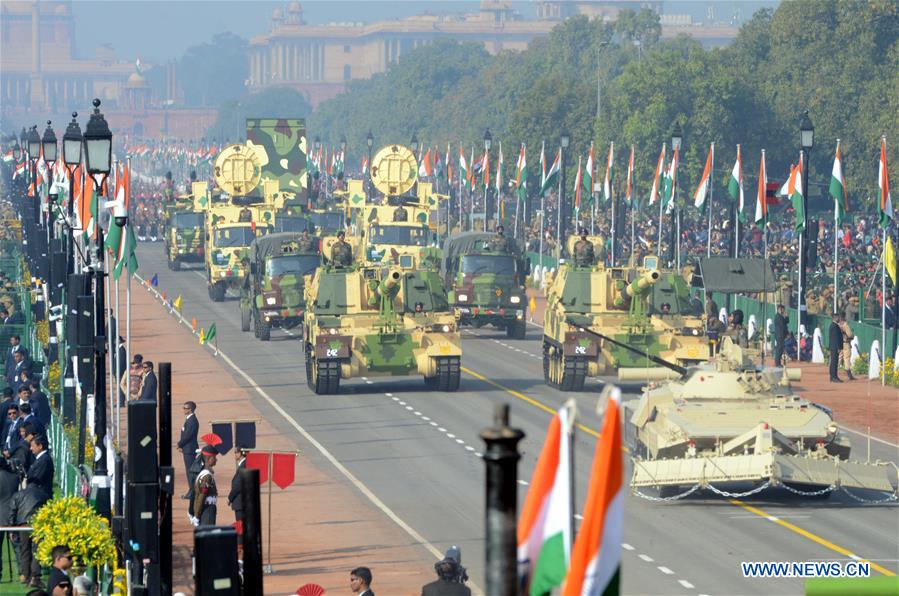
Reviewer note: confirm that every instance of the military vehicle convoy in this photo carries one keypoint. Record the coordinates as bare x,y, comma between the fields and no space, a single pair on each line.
272,294
726,421
382,310
379,321
586,296
184,228
235,216
486,283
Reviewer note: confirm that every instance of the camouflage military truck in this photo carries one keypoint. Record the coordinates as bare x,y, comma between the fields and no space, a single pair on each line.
486,286
613,301
281,146
235,218
374,321
272,294
185,222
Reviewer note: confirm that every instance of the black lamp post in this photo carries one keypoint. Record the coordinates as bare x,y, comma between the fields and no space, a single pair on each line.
49,143
34,150
563,215
806,141
414,144
71,155
16,151
677,137
98,157
488,142
369,141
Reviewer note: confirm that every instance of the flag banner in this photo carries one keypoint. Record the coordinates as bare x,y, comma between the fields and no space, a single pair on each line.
761,202
735,187
629,195
588,175
259,461
654,192
889,259
499,173
883,183
544,528
553,173
596,554
283,469
210,334
463,168
521,176
177,304
670,182
577,188
610,174
702,191
794,191
838,188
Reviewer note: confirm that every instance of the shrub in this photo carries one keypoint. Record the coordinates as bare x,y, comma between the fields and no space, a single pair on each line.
71,522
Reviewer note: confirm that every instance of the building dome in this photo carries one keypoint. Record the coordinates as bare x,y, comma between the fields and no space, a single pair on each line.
278,14
295,7
136,81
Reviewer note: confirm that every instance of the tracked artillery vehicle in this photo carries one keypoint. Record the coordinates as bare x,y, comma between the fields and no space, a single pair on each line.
729,422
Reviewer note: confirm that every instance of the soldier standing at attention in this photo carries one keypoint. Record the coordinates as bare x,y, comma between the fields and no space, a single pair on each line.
500,243
341,251
305,243
205,491
400,214
846,352
584,255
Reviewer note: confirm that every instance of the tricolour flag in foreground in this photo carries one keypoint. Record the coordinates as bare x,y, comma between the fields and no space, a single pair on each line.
596,554
521,177
735,187
838,188
794,191
544,529
553,173
610,175
703,190
629,193
883,182
654,192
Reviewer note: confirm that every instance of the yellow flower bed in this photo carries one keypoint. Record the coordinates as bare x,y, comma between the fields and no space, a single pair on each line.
71,522
42,330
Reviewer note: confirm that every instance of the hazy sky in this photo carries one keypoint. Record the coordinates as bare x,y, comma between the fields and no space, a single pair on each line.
160,30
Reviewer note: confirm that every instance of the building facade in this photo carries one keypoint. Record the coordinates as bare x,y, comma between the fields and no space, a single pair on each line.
318,60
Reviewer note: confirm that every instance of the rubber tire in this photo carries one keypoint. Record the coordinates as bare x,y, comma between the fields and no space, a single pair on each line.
325,376
563,373
245,318
217,292
449,372
263,329
309,367
175,265
431,382
516,329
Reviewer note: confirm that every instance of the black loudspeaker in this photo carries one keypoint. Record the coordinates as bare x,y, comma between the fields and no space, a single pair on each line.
811,251
215,549
85,357
57,277
143,462
142,515
84,329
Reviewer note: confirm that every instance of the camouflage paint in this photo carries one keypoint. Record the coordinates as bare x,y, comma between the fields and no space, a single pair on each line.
281,142
390,353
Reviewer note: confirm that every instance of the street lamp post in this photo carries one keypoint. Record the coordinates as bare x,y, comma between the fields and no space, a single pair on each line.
34,150
71,154
50,149
414,144
369,142
98,157
677,138
562,215
488,142
806,141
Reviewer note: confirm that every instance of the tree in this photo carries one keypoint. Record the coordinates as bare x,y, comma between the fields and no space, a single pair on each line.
214,72
275,102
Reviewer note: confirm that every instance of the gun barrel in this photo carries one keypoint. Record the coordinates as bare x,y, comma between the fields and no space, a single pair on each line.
652,358
641,285
388,283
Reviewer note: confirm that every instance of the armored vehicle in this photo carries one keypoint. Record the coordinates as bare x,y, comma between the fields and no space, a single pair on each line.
184,227
379,321
235,216
486,282
585,297
727,421
272,294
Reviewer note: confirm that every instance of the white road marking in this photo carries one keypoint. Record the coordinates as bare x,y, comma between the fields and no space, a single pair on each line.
410,408
389,394
441,429
451,435
402,403
578,517
425,418
417,413
646,558
865,436
626,546
478,454
523,482
665,570
460,441
432,423
469,448
686,584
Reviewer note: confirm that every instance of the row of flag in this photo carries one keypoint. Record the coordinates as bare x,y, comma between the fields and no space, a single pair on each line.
205,334
549,557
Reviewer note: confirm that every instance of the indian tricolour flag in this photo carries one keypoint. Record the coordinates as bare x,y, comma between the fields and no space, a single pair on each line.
463,168
703,190
838,188
735,186
654,192
596,554
761,202
883,182
610,175
544,528
521,177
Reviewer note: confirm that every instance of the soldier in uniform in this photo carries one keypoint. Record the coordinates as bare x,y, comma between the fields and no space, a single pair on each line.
341,251
400,214
306,244
584,255
205,491
846,351
245,215
499,242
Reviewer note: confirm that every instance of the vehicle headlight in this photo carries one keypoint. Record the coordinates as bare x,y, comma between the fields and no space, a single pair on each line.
515,299
446,328
332,331
463,297
270,300
222,273
832,428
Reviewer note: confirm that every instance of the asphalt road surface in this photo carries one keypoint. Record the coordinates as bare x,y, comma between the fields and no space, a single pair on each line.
418,452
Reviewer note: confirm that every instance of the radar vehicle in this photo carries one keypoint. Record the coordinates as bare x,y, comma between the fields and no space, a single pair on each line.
184,227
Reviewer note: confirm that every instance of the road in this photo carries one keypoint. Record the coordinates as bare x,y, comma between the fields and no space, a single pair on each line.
418,452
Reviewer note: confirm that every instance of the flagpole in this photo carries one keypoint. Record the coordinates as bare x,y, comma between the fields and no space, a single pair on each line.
765,267
711,202
836,243
883,307
559,215
612,199
798,302
542,224
109,344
